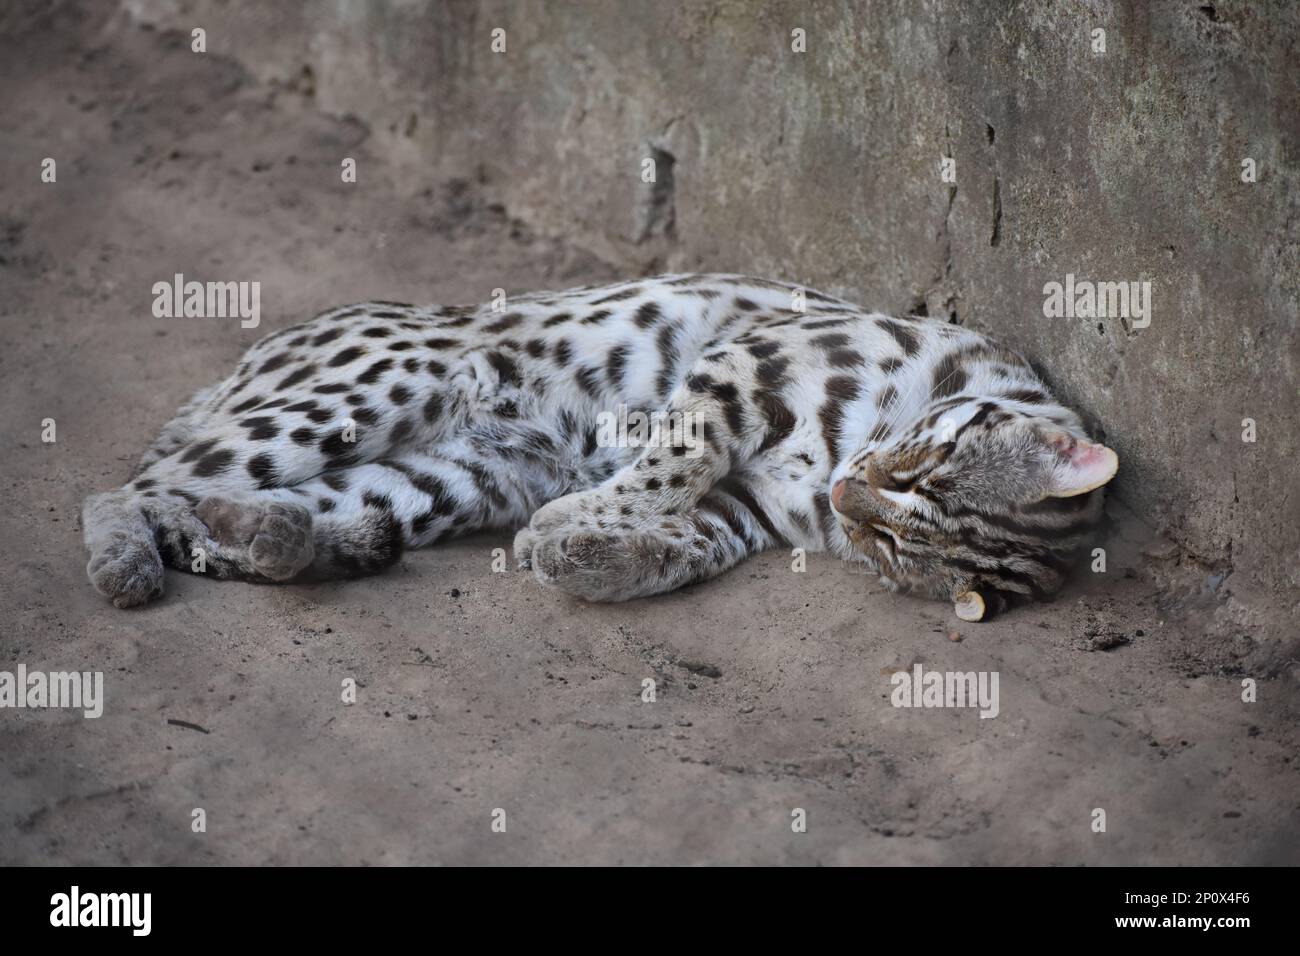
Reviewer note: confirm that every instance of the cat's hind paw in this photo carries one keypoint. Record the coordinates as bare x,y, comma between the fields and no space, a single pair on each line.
277,536
282,546
128,571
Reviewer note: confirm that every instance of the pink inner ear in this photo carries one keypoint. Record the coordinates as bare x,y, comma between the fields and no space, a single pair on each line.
1085,465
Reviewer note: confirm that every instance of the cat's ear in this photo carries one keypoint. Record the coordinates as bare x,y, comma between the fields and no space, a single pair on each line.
1079,465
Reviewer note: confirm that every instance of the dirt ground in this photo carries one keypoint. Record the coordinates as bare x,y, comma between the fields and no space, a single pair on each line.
478,690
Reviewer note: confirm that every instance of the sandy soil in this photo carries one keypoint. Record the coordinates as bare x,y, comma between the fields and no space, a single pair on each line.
478,690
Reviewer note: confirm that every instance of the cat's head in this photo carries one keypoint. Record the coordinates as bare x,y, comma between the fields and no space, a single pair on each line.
982,502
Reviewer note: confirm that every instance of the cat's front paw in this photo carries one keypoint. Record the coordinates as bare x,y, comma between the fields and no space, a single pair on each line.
600,566
582,509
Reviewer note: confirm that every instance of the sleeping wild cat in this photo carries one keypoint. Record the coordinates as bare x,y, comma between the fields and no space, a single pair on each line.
642,436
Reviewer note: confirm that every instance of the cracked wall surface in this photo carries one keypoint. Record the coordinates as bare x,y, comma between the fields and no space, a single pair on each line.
824,167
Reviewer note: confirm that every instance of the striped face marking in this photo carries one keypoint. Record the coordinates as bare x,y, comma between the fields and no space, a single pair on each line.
984,505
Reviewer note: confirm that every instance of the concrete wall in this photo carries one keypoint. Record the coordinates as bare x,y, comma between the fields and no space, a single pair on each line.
824,167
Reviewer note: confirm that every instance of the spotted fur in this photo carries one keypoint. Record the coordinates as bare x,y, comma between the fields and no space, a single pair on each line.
919,448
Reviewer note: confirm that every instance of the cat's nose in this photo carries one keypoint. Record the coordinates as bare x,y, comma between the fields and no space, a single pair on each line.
837,492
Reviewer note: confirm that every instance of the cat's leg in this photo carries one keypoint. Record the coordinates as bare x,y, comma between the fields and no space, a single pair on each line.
124,561
344,523
203,455
633,556
711,427
279,420
131,536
